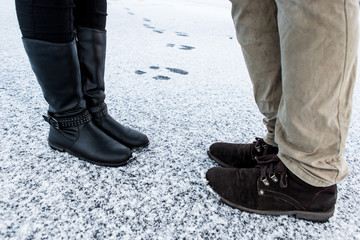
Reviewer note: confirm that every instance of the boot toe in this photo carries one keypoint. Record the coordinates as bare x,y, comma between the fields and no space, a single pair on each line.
220,180
216,149
117,155
139,140
125,135
212,175
221,154
235,186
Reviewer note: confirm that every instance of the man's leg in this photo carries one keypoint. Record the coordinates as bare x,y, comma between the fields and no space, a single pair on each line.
318,42
257,31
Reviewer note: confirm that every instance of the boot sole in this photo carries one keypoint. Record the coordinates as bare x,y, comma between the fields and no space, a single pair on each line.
218,161
310,216
60,149
145,145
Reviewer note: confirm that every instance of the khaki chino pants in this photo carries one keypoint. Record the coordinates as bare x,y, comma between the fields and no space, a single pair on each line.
301,57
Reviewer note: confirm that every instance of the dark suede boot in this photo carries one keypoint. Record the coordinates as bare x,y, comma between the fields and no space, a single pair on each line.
240,155
57,70
91,49
272,189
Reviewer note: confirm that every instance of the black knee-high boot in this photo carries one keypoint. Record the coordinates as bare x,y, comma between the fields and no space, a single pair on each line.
57,70
91,50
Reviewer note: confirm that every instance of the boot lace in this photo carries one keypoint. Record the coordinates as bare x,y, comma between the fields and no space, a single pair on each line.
272,167
258,148
261,147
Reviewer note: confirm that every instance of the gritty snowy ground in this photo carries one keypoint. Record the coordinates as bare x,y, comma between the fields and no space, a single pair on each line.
162,193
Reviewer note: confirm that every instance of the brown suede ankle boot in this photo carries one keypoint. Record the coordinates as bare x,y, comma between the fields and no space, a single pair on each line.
240,155
270,188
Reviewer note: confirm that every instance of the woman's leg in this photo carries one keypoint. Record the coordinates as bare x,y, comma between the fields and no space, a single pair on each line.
47,27
48,33
47,20
90,21
90,13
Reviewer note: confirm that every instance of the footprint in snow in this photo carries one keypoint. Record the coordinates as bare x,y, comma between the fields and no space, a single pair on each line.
185,47
152,27
158,31
129,11
148,26
162,77
139,72
182,47
182,34
177,70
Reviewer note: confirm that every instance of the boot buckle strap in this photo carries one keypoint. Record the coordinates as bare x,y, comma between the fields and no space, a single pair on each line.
65,122
102,112
52,121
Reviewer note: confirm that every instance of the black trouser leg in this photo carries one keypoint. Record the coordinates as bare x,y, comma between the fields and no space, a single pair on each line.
90,13
47,20
54,21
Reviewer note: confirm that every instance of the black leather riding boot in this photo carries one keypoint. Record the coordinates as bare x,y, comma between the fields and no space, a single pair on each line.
57,70
91,50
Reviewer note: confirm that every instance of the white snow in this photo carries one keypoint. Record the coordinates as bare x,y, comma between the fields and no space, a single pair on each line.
161,194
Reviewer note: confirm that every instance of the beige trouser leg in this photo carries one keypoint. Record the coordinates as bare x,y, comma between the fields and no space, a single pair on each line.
317,42
257,31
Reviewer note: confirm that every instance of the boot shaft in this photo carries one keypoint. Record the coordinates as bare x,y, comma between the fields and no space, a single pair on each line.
57,70
91,45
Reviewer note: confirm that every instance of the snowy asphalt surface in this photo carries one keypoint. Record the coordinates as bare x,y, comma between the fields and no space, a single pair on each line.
174,71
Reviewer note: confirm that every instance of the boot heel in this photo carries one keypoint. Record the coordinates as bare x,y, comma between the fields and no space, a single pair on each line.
315,217
56,148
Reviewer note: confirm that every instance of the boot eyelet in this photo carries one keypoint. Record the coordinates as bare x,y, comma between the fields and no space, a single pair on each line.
274,178
261,192
265,181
